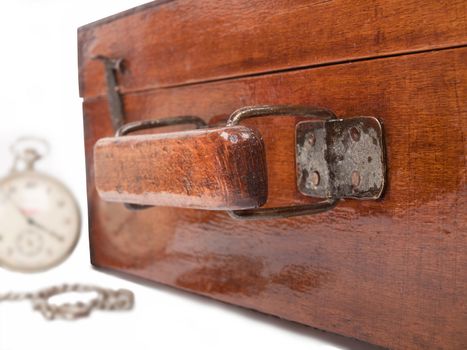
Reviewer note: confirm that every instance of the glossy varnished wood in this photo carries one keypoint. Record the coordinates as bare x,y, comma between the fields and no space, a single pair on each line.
216,169
171,43
390,272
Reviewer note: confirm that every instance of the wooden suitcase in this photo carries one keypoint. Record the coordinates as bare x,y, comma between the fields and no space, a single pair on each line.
390,269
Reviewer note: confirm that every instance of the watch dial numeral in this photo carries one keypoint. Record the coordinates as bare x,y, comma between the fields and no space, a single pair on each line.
31,184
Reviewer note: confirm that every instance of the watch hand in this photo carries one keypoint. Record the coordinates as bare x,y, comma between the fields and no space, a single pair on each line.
31,221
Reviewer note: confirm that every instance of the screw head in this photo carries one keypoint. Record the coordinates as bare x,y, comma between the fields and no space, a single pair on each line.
355,178
354,133
314,178
311,139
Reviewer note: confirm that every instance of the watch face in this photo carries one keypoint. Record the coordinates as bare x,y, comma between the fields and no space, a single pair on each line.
39,222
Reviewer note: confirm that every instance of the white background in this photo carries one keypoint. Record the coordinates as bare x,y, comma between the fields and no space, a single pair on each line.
39,96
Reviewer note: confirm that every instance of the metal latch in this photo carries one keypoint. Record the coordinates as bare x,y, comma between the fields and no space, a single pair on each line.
341,158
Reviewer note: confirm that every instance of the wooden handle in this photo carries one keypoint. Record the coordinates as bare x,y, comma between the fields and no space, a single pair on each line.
215,169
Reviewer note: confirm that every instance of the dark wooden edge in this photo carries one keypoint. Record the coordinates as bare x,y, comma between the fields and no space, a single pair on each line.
129,12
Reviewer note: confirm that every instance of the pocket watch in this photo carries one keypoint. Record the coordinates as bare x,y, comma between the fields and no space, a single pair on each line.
39,217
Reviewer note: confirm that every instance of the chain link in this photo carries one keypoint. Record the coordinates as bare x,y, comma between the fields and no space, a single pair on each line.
107,299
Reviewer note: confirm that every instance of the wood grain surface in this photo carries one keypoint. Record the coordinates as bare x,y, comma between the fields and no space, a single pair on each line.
170,43
391,272
216,169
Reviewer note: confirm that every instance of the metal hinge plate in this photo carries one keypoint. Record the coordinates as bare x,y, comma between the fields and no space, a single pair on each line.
341,158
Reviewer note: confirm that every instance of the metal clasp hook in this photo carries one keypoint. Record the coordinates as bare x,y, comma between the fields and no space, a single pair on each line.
112,67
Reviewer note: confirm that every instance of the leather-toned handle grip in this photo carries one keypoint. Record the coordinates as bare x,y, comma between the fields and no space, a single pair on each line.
214,169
